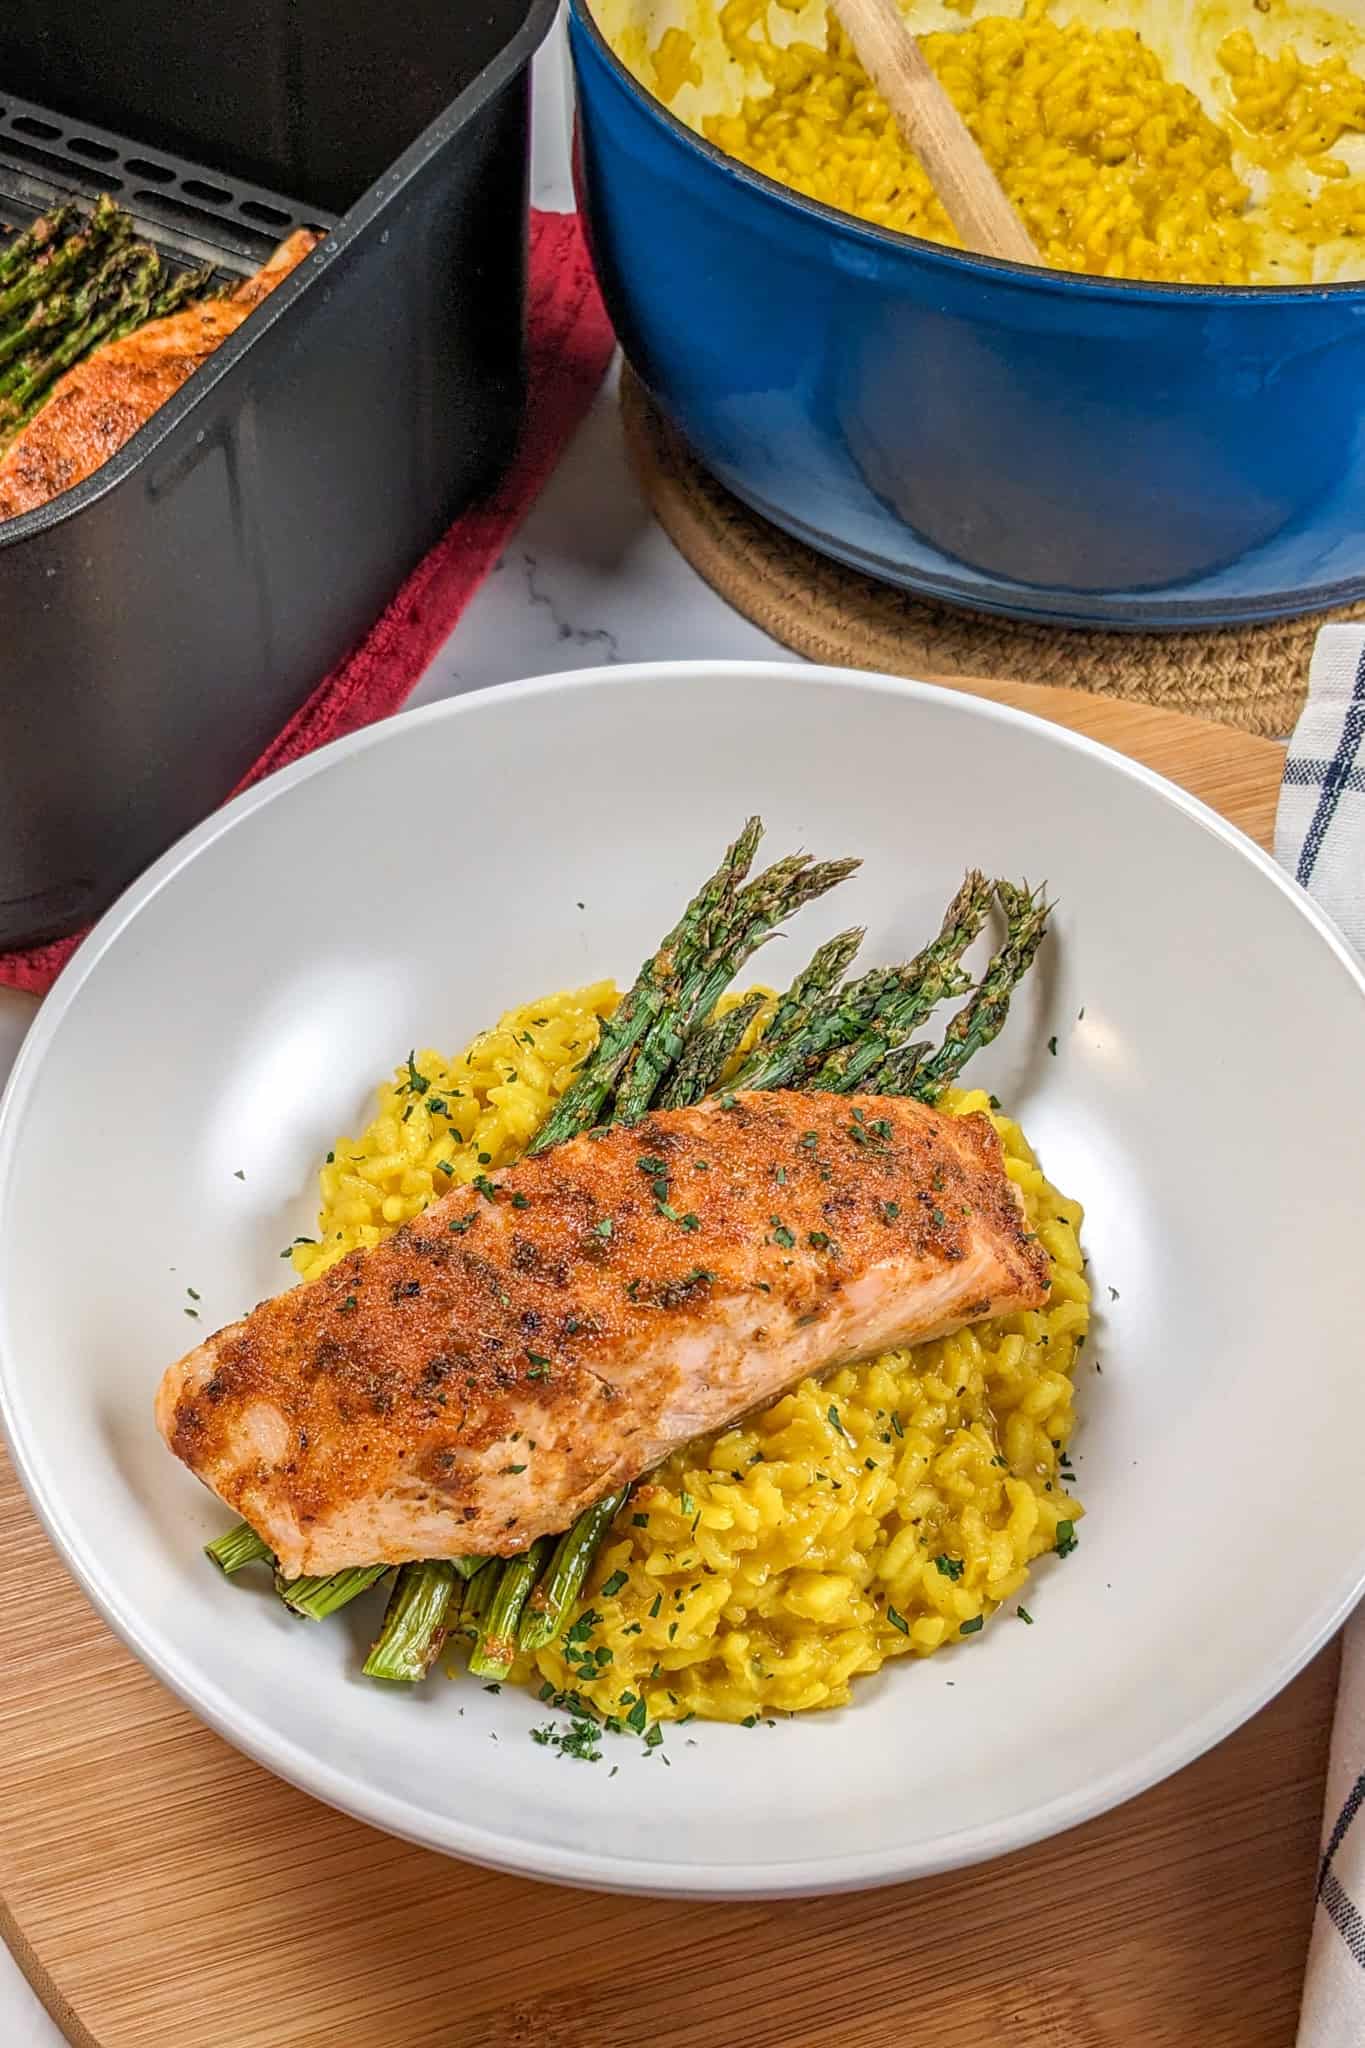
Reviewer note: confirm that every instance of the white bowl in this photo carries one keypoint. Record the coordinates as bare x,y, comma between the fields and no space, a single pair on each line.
404,886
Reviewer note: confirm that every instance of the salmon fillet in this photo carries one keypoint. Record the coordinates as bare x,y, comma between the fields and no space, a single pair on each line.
102,402
530,1343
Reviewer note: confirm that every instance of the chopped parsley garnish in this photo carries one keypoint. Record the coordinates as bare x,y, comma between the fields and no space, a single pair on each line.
898,1621
969,1628
484,1186
810,1139
578,1740
994,1101
512,1468
951,1567
1113,1294
648,1164
1067,1538
637,1717
781,1233
818,1240
609,1591
896,1425
345,1307
1052,1047
639,1521
667,1209
658,1603
1024,1615
520,1201
938,1218
690,1221
686,1503
416,1084
603,1227
239,1175
890,1211
538,1367
444,1166
653,1737
461,1224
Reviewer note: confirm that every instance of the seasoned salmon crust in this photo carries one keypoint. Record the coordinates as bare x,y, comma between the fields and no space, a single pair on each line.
534,1341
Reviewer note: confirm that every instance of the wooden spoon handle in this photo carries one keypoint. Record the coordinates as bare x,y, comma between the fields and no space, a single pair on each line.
971,194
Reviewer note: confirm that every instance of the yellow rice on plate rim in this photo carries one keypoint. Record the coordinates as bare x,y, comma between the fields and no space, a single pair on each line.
887,1509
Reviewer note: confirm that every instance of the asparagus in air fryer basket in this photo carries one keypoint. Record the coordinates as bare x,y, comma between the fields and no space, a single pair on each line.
68,283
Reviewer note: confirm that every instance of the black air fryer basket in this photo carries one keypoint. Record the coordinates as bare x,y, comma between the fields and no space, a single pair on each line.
161,622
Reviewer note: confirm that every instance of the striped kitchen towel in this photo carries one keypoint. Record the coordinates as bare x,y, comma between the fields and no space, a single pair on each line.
1320,827
1320,838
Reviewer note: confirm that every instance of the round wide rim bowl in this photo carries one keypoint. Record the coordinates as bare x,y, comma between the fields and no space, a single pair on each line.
233,1010
1036,277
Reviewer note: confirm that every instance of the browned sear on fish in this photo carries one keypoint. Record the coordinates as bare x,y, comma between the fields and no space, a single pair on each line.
102,402
530,1343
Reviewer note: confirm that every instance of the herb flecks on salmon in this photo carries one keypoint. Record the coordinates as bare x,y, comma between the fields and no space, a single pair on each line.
522,1348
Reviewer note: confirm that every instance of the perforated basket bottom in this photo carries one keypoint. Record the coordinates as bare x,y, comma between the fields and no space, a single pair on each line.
193,216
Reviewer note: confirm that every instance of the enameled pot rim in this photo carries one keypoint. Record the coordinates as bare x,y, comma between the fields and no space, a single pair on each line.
896,243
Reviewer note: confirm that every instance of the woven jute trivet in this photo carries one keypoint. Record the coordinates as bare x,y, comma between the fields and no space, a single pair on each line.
1253,677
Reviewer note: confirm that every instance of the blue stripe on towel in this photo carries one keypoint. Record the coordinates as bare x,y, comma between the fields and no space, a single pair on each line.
1336,778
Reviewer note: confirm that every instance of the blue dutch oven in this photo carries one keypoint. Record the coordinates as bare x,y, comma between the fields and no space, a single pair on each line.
1052,447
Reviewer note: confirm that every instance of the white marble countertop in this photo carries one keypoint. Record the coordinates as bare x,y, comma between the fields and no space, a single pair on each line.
588,579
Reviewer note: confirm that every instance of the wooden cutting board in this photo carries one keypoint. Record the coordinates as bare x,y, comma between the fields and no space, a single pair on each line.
162,1892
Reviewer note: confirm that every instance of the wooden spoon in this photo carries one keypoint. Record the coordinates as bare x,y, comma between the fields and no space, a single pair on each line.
971,194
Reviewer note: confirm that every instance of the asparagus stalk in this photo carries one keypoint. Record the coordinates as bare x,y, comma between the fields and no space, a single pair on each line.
581,1104
931,978
495,1651
315,1599
420,1615
127,309
815,984
237,1547
547,1610
81,303
41,234
708,1053
760,907
980,1019
45,319
479,1598
897,1072
189,285
844,1017
106,227
416,1621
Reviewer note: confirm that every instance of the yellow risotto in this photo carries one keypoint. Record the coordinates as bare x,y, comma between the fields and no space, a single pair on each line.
890,1508
1116,168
